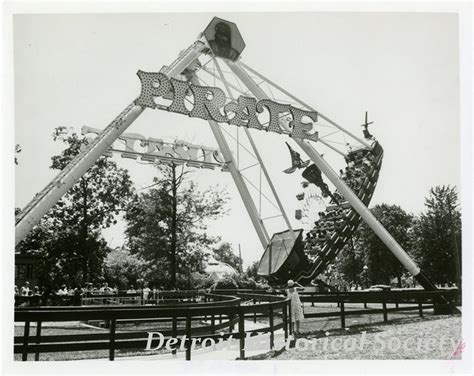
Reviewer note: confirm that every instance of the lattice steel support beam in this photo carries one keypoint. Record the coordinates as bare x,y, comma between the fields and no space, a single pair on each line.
259,159
238,180
52,193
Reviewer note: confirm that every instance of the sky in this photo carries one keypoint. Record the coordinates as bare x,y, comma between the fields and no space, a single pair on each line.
75,70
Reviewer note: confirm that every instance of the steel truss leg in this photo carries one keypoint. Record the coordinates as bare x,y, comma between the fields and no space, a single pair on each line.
45,200
355,202
238,180
259,159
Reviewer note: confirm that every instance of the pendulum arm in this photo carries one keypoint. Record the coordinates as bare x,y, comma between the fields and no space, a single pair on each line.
45,200
351,197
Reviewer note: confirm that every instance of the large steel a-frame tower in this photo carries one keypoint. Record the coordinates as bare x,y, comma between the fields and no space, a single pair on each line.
215,57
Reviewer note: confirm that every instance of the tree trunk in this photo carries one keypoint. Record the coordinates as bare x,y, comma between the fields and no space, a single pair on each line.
173,228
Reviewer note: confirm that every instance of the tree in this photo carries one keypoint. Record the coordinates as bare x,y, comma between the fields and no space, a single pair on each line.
437,236
125,269
167,224
350,264
251,271
382,264
69,235
224,253
228,282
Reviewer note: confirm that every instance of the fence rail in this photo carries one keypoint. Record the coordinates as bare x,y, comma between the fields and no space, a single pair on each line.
224,310
122,297
214,308
445,300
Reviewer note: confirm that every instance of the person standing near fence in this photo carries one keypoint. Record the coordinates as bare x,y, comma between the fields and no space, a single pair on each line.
146,293
296,308
25,290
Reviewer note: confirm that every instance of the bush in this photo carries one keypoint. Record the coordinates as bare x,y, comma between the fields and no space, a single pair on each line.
227,283
201,281
124,269
248,283
263,286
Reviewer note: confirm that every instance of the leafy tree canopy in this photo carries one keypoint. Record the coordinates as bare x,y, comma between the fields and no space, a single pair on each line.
223,252
69,235
437,235
167,224
382,264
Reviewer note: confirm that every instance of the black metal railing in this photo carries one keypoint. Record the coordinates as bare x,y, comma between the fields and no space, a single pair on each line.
223,309
403,300
214,307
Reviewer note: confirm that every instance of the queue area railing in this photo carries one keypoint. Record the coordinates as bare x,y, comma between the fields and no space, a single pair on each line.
222,311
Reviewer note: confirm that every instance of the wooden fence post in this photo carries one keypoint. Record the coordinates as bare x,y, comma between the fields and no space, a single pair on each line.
112,340
255,313
231,323
26,334
38,337
285,320
272,335
420,309
188,336
384,307
343,316
291,319
174,332
241,333
213,323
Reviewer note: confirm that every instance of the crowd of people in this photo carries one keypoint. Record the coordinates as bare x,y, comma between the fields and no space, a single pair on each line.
360,163
88,290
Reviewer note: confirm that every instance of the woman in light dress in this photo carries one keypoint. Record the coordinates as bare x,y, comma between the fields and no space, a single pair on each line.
296,309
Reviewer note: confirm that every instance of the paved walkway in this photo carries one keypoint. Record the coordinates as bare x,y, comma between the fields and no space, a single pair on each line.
226,350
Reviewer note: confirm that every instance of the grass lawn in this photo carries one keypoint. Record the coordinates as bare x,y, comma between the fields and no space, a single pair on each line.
329,323
431,337
405,336
77,328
